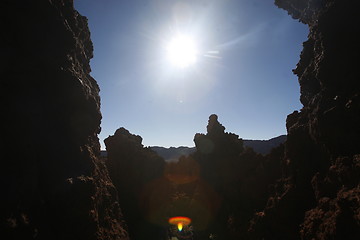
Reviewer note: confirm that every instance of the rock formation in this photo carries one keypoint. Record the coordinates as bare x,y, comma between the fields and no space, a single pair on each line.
137,173
318,195
239,176
53,186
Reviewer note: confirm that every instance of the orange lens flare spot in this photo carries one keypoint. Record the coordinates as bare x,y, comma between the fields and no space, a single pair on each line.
180,226
180,222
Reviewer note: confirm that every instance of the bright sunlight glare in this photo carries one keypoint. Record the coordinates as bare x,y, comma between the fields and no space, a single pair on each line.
182,51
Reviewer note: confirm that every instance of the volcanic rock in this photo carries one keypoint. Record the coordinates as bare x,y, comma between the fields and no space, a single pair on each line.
317,197
53,184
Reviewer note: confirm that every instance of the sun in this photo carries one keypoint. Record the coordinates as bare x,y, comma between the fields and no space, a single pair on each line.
182,51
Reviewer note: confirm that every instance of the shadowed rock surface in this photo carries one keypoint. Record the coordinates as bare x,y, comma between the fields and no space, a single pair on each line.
240,177
318,195
53,186
134,169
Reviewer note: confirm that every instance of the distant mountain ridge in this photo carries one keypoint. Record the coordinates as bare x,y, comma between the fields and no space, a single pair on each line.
173,153
264,146
259,146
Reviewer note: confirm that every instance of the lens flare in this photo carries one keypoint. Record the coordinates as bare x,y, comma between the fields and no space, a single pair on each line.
180,226
180,222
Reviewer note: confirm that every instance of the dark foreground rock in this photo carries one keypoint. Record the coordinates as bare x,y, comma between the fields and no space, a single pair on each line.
240,178
137,173
53,185
318,195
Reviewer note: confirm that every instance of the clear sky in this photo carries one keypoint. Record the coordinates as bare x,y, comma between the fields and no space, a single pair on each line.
245,51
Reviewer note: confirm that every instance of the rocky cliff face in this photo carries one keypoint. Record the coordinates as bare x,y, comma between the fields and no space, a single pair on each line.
318,196
53,186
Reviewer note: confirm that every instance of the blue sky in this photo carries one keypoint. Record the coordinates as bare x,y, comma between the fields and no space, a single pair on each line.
247,80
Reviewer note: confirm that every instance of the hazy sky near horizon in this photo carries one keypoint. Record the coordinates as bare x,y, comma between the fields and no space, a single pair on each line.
246,50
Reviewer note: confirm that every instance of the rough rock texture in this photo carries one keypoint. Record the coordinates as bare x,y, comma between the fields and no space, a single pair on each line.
52,184
318,196
337,214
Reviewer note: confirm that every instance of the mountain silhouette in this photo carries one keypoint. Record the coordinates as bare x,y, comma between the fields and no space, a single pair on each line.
259,146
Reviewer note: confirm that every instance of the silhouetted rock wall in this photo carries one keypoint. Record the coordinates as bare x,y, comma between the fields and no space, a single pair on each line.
53,186
134,169
318,196
241,178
